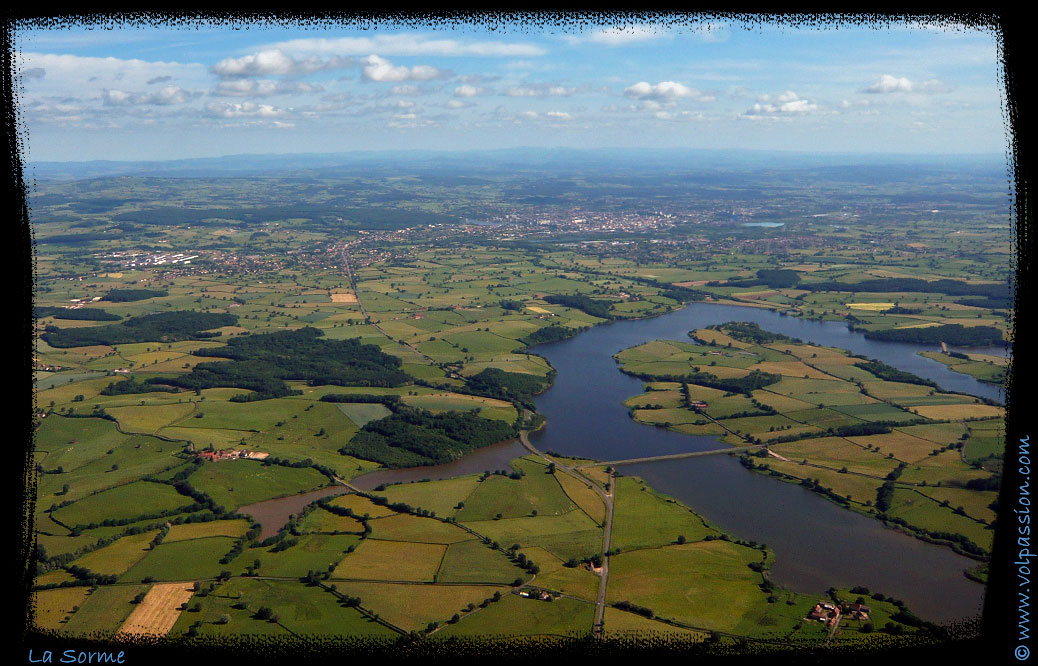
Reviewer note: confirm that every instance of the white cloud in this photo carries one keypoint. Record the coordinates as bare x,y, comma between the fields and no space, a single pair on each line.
167,96
786,103
625,35
263,88
242,110
889,84
783,97
794,107
406,89
539,90
681,115
466,91
407,45
275,62
86,76
665,91
379,69
558,115
900,84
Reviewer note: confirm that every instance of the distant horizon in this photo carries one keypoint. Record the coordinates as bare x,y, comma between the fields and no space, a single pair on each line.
476,151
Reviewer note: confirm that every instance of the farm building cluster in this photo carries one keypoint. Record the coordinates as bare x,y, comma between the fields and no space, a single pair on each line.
231,454
830,613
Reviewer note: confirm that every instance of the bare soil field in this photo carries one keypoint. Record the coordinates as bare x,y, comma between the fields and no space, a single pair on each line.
159,610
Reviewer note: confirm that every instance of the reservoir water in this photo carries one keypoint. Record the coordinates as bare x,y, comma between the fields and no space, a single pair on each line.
817,543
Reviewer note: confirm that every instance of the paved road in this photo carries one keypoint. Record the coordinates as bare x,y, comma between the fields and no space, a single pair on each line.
676,456
353,285
607,498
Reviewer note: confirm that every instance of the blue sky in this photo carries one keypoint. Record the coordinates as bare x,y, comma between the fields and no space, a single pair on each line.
155,93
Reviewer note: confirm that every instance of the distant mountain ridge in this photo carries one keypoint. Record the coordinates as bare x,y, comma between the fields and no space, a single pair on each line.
507,158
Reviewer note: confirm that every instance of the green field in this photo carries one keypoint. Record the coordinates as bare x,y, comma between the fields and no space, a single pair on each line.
237,483
517,616
841,433
451,304
300,609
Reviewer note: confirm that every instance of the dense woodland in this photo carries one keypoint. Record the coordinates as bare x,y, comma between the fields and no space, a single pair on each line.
892,374
591,306
745,331
503,385
130,295
987,293
262,363
952,334
159,327
75,314
412,437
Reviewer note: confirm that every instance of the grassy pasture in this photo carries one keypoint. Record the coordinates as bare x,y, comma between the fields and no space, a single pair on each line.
363,412
405,527
576,581
443,402
126,501
977,504
921,511
81,448
361,506
104,610
118,557
392,561
685,582
572,534
518,616
858,488
944,468
621,624
53,606
962,411
235,483
838,453
903,445
583,495
438,496
226,528
412,607
149,419
299,608
535,491
327,522
474,562
182,560
643,518
313,552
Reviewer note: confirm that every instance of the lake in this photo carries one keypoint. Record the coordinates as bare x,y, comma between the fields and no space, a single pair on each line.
817,543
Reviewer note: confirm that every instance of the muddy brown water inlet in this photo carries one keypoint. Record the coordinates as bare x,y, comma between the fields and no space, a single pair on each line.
487,459
273,514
